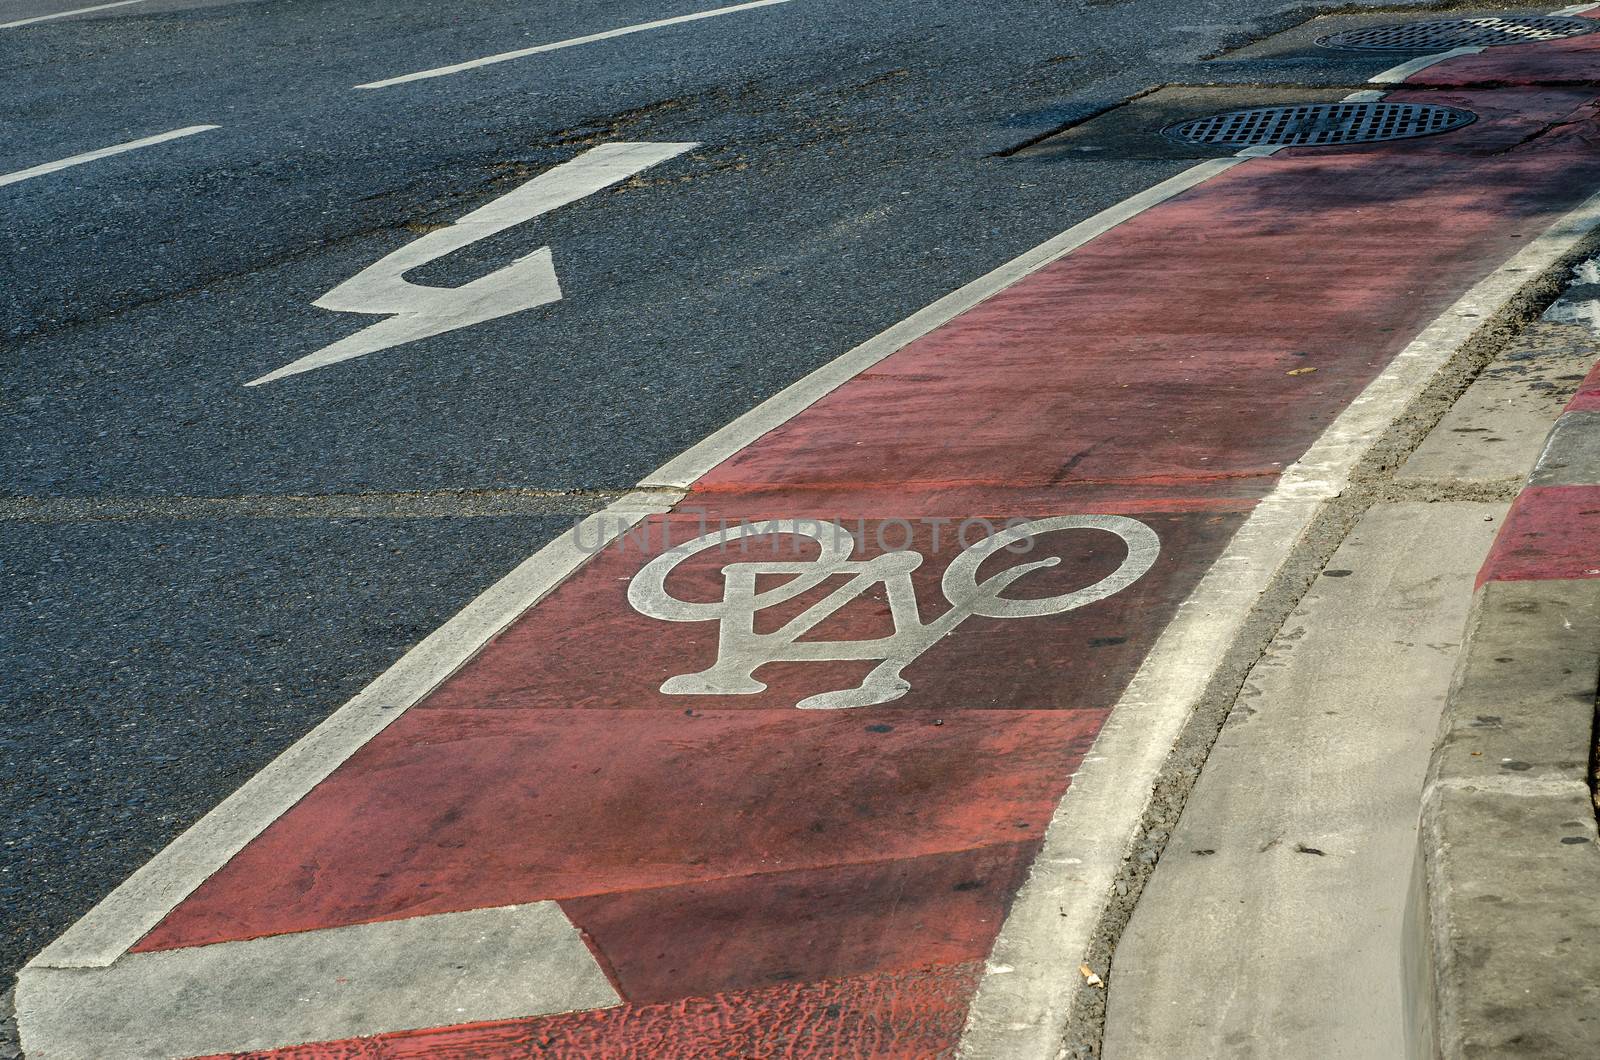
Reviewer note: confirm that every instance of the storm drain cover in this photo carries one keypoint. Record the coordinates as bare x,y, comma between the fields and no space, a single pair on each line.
1318,124
1451,33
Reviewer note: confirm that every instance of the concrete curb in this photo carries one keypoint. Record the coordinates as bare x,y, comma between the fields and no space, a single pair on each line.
1508,842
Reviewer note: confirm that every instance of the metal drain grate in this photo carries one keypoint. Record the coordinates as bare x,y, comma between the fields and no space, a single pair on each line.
1317,124
1451,33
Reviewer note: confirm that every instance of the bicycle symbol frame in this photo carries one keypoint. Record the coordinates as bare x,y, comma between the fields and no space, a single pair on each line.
741,650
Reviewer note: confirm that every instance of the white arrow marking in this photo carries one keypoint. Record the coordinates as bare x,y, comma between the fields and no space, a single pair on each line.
529,281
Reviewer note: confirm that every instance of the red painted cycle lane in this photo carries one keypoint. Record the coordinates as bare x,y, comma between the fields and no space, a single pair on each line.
1569,61
761,880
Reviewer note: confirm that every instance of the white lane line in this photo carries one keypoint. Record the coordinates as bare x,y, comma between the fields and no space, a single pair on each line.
443,71
1575,9
66,14
1029,986
104,152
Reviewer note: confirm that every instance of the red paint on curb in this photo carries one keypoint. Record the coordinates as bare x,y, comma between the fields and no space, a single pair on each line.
1550,532
1587,399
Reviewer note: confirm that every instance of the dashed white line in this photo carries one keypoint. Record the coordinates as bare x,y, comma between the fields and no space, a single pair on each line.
502,57
90,156
65,14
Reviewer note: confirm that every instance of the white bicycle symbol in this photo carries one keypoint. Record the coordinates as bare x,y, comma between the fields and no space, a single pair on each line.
741,650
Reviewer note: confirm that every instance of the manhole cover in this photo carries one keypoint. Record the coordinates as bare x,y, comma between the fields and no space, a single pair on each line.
1459,33
1316,124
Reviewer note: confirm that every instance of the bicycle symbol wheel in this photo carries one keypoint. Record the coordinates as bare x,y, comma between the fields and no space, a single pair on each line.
961,583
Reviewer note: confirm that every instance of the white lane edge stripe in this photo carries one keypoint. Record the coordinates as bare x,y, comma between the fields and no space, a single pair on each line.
66,14
1026,996
573,42
103,152
128,913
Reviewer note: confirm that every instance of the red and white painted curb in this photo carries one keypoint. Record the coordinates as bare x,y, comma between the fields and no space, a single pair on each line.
1552,532
1508,840
857,783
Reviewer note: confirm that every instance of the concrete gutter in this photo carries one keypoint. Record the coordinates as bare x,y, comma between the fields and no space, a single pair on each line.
1507,907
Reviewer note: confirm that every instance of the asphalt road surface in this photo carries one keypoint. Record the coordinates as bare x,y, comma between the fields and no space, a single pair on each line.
193,571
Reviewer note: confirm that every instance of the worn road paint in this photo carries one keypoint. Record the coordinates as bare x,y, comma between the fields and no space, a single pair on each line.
1550,62
420,311
66,14
1568,60
104,152
482,964
573,42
